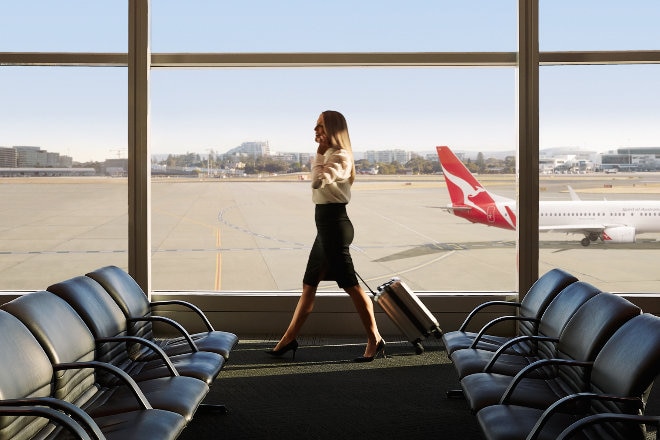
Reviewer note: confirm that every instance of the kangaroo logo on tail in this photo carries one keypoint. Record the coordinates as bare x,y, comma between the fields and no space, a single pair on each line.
469,199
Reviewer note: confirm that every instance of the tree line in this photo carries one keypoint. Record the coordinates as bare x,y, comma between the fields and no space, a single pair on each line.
273,165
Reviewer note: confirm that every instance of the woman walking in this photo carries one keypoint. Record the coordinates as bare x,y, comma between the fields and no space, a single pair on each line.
333,173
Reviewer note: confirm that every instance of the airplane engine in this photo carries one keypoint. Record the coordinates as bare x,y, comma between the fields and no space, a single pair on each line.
619,234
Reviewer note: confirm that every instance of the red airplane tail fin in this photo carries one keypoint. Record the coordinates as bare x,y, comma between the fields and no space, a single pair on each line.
461,184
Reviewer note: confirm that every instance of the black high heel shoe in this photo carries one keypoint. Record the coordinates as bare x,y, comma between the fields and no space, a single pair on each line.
293,345
380,349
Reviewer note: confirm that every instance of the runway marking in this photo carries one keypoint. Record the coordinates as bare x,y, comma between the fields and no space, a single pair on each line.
92,251
218,270
223,220
419,266
410,269
411,250
404,226
218,260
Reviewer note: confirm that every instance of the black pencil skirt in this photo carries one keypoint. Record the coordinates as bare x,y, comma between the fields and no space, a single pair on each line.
330,257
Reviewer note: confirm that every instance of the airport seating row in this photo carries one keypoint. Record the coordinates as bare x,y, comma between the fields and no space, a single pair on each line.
80,360
582,367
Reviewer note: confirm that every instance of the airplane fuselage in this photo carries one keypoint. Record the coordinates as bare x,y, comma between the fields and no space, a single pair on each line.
610,221
644,216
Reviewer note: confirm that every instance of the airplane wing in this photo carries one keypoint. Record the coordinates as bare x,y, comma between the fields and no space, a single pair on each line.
587,227
596,227
572,228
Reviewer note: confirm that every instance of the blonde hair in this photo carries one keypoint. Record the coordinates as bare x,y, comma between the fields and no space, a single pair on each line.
336,130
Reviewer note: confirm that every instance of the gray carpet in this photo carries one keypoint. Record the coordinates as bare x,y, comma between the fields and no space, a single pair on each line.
322,395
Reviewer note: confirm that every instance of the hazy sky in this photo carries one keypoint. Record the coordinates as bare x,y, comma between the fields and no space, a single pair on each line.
82,112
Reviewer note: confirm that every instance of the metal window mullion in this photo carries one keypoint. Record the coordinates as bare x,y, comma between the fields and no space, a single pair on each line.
82,59
527,188
332,59
139,164
599,57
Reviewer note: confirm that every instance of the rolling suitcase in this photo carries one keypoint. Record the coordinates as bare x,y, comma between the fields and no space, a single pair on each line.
403,307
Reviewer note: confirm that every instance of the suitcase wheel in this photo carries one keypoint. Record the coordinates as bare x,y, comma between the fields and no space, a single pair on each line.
419,348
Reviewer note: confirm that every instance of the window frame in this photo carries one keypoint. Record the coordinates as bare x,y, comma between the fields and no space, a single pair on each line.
140,61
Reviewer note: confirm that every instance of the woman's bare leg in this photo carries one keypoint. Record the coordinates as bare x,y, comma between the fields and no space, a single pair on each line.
303,309
365,309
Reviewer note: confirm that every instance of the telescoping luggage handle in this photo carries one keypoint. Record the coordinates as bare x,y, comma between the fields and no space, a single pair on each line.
393,280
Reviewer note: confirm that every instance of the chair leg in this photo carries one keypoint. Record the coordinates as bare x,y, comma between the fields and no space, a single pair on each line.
213,408
454,394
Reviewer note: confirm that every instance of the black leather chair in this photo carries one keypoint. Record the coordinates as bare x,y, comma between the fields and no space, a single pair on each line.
528,313
27,402
58,416
620,380
140,314
521,351
581,340
108,324
588,427
71,348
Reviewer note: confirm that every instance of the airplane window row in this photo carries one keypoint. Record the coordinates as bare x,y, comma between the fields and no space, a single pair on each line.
599,214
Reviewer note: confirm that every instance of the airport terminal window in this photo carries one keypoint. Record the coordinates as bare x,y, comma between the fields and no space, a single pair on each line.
63,26
625,99
347,26
568,25
230,219
63,185
608,108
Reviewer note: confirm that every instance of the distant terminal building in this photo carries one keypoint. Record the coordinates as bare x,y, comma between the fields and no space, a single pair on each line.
576,160
21,161
568,160
632,159
115,167
304,159
253,149
31,157
569,163
287,157
46,172
27,156
388,156
8,157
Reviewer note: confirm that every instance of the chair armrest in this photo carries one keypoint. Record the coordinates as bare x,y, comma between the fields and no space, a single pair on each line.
605,418
488,325
171,322
159,351
555,408
535,366
121,374
74,413
50,414
515,341
189,305
480,307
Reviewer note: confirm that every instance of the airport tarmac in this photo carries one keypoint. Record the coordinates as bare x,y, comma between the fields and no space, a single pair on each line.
255,234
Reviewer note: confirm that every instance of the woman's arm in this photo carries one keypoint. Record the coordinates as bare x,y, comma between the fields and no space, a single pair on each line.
333,166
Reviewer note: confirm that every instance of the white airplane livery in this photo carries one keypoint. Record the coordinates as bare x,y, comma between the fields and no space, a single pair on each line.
609,221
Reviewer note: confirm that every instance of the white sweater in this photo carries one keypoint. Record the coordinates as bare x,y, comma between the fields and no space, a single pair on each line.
330,177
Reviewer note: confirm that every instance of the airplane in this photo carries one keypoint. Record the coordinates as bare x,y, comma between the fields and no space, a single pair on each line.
609,221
